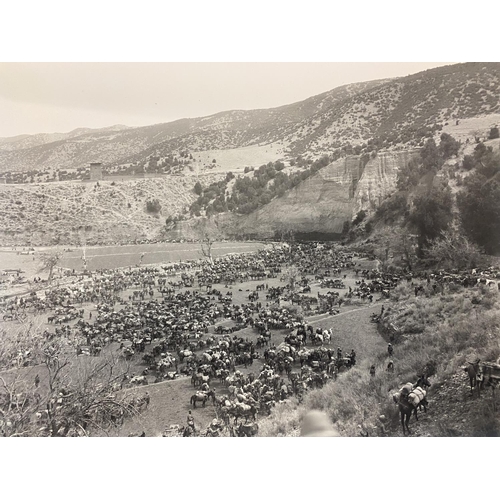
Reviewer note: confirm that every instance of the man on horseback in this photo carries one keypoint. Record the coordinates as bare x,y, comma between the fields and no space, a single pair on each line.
390,349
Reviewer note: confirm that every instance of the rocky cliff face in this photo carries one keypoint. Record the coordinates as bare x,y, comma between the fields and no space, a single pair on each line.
318,207
379,178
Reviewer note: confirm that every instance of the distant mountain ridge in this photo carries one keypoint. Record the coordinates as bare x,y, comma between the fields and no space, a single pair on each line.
26,141
387,112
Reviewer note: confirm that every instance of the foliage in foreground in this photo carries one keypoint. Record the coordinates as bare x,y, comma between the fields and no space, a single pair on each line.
49,391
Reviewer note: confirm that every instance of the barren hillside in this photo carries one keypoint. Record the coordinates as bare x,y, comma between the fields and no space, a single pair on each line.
73,213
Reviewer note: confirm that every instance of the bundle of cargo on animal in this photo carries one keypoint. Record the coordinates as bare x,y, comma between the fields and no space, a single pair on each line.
403,392
409,398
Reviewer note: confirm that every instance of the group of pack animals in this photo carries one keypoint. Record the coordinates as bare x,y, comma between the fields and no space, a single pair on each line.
147,317
412,397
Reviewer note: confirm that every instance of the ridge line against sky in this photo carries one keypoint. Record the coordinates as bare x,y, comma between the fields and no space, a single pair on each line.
60,97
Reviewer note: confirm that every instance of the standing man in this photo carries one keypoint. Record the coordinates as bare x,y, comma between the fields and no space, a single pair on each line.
190,421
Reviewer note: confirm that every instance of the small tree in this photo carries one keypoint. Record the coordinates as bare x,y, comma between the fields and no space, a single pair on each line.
208,233
71,396
405,246
468,162
153,206
285,232
448,146
430,154
397,244
494,133
198,189
453,250
49,261
291,275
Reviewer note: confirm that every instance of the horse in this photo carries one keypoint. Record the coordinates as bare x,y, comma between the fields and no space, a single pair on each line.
139,380
247,430
202,397
408,404
317,338
188,431
423,382
243,410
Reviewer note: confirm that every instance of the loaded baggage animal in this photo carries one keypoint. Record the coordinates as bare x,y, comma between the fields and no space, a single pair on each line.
409,400
247,430
202,397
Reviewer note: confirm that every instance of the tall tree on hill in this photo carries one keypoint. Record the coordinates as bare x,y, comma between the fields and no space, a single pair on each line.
430,154
479,202
431,214
396,244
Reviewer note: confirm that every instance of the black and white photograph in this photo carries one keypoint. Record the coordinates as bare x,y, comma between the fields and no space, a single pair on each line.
181,260
255,224
271,220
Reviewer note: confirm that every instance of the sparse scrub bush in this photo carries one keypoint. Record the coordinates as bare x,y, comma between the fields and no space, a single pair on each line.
494,133
468,162
486,423
153,206
284,421
402,291
361,215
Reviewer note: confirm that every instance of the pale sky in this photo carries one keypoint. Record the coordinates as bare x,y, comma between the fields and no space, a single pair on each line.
59,97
